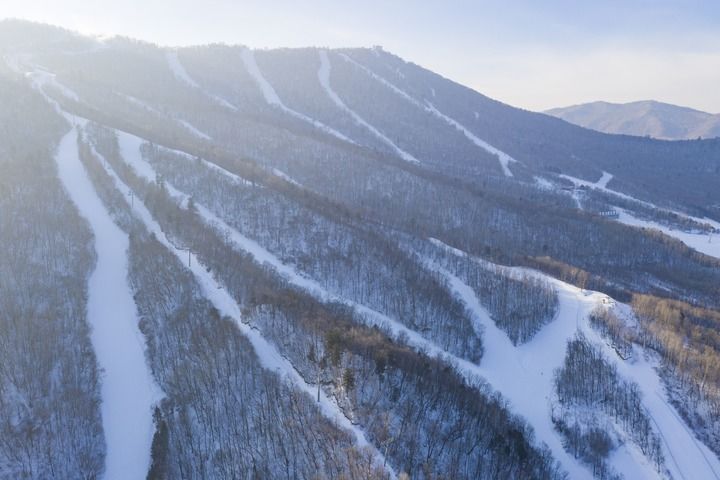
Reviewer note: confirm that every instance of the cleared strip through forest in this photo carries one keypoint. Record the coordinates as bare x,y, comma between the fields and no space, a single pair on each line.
270,358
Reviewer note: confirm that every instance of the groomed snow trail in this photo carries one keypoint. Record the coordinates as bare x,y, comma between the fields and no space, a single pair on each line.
178,70
503,157
324,77
685,456
128,389
469,371
273,99
604,180
176,67
524,374
709,244
270,358
517,371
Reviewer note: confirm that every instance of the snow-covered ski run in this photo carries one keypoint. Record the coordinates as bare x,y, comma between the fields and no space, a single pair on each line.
273,99
515,371
270,358
177,69
539,417
128,389
324,77
503,157
701,241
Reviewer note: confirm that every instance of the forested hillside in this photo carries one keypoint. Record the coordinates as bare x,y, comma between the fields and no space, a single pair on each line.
321,264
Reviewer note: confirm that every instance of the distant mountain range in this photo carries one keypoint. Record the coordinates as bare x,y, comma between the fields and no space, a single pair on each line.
644,118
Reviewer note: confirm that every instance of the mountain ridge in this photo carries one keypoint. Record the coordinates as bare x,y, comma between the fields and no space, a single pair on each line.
642,118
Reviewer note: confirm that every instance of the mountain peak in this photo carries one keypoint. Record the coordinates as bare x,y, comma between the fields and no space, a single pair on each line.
642,118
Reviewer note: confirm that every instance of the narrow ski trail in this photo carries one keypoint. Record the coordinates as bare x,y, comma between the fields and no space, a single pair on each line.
128,389
273,99
324,77
270,358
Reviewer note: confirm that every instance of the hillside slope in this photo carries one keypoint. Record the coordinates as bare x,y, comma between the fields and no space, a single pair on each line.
337,264
645,118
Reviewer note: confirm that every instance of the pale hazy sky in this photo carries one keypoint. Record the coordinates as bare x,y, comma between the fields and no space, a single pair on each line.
534,54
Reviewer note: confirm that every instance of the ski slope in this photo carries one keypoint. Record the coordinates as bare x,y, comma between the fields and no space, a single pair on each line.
513,371
503,157
706,243
273,99
709,244
270,358
468,370
517,371
194,130
128,390
177,69
324,77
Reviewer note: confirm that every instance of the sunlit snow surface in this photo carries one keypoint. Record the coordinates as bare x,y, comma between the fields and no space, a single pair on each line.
127,387
128,390
270,358
503,157
324,77
524,375
707,243
272,98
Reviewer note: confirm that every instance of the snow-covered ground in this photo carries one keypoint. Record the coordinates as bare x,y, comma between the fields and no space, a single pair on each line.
513,371
270,358
706,243
272,98
524,375
233,177
128,389
324,77
493,370
503,157
604,180
194,130
178,70
176,67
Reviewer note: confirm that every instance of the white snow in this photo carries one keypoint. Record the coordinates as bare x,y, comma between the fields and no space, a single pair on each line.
176,67
524,375
603,187
272,98
604,180
194,130
41,78
543,183
178,70
270,358
470,371
285,176
513,371
503,157
324,77
141,104
128,390
707,243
